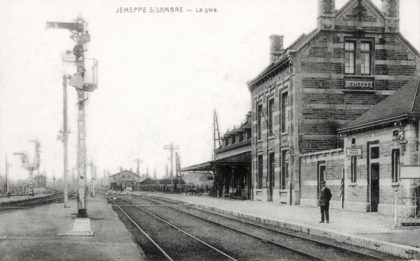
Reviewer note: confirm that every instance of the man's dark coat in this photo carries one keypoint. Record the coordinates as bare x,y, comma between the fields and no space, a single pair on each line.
324,197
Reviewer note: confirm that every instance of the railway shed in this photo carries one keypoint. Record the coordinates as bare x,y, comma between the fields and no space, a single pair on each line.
232,163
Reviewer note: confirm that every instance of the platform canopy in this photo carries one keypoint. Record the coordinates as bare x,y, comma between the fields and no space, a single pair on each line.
207,166
242,159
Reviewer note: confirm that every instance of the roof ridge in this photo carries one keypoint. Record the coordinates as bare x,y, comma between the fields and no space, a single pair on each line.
415,96
368,2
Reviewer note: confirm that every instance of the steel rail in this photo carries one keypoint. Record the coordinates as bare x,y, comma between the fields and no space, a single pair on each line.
278,231
144,205
254,236
183,231
142,231
270,229
7,207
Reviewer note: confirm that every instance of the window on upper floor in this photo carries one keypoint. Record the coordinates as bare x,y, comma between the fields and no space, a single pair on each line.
350,61
259,121
233,139
358,55
365,58
284,112
270,117
241,137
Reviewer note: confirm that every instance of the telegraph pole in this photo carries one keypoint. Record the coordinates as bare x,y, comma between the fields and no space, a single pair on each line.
138,161
217,141
93,178
7,182
65,144
171,148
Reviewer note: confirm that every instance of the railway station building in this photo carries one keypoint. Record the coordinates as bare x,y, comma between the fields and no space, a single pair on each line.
123,179
315,100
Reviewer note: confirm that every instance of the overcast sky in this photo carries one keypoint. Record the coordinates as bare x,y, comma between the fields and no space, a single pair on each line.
160,75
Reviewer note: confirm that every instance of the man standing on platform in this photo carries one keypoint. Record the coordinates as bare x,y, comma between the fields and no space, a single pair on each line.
324,202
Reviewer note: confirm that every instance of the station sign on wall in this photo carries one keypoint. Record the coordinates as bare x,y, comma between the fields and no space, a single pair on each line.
358,83
353,152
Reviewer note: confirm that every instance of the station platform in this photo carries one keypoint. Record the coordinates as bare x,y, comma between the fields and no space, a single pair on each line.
370,230
36,234
18,198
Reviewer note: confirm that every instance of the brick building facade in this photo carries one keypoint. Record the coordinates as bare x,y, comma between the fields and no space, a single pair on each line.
354,59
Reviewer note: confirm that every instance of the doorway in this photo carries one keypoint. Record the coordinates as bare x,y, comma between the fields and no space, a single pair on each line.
321,175
373,177
374,187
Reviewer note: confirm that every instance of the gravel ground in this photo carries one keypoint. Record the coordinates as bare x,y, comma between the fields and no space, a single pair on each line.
185,220
238,245
370,225
32,235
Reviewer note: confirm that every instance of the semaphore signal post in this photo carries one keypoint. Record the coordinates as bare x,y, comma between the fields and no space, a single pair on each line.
84,80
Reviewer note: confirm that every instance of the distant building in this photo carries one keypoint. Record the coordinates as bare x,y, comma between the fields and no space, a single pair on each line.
123,179
148,181
40,181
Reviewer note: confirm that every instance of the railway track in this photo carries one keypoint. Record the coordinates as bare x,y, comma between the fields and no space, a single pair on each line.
32,202
322,242
170,253
301,244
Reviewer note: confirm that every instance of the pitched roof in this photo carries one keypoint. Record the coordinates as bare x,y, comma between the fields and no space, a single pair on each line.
301,41
125,172
296,45
368,3
402,103
244,125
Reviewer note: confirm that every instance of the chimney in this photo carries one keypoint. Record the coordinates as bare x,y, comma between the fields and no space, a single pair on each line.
326,14
276,47
391,11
